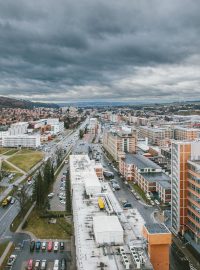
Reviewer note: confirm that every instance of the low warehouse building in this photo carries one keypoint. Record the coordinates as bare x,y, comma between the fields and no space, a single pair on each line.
108,230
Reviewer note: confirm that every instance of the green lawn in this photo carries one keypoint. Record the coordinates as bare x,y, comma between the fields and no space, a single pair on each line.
3,150
26,159
11,152
42,229
7,167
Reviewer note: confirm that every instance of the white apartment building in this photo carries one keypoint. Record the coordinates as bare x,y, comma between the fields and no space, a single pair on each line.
57,128
18,128
52,121
32,141
3,134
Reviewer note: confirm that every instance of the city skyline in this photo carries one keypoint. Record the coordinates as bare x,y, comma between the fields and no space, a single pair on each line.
114,51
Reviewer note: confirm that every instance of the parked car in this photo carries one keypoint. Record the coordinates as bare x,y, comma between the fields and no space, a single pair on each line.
44,244
32,246
50,246
12,200
62,201
127,205
116,186
55,247
62,246
37,245
11,260
63,264
37,265
30,264
43,265
50,195
56,265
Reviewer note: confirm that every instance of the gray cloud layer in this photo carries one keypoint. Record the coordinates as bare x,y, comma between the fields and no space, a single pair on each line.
84,49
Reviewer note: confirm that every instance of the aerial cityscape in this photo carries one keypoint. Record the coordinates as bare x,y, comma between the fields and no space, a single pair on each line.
99,135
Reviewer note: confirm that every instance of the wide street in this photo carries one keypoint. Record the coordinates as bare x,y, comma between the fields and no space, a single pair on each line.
7,214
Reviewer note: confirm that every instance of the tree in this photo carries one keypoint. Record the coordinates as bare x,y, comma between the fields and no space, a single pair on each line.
47,176
22,197
81,134
68,194
52,173
39,191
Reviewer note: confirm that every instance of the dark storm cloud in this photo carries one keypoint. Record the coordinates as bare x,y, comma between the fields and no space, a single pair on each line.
57,50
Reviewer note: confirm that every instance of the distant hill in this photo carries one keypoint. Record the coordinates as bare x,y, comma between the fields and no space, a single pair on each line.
23,104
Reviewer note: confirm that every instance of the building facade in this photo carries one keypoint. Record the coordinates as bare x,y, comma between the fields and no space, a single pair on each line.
183,133
117,143
155,135
186,188
30,141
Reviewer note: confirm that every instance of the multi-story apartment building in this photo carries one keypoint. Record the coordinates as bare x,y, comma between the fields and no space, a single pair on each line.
148,175
118,142
155,135
18,128
32,141
138,121
185,175
92,126
184,133
193,213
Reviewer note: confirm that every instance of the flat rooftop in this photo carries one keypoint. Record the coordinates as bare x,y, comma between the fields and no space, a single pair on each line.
89,255
140,161
156,177
155,228
165,184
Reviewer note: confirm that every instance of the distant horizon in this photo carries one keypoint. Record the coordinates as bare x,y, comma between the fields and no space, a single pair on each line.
107,102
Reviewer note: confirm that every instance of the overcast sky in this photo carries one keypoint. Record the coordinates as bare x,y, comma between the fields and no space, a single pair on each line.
100,49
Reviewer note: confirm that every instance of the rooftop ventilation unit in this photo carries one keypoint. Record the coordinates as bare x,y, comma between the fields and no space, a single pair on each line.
135,257
124,258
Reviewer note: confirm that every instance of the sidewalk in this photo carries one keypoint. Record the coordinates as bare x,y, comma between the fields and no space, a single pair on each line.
186,252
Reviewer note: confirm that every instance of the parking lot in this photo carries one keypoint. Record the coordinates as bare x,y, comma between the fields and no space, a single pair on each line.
55,202
24,255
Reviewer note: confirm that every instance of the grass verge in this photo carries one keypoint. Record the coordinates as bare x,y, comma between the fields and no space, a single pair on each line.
3,266
3,247
26,159
2,189
18,219
140,192
41,227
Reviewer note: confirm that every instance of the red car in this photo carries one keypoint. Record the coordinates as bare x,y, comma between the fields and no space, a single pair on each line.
50,246
30,265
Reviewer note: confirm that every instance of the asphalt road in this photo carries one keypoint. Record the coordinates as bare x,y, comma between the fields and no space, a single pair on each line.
7,215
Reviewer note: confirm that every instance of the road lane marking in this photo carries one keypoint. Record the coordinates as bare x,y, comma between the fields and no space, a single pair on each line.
6,213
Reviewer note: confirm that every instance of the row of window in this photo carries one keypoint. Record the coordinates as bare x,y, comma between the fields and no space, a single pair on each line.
193,226
192,177
191,214
195,188
194,197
